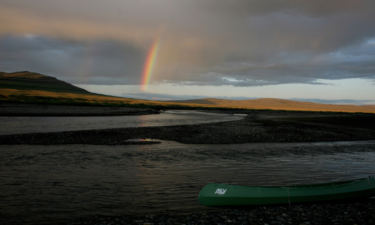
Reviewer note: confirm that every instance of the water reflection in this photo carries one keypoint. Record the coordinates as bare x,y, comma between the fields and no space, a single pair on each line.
21,125
42,184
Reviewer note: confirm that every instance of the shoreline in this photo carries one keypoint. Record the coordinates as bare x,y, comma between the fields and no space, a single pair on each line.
342,212
37,110
256,127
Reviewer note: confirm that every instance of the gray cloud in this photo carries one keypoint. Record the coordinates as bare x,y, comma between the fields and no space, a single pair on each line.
211,42
94,62
311,8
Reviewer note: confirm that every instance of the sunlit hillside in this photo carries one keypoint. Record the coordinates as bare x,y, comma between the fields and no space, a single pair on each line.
33,87
280,104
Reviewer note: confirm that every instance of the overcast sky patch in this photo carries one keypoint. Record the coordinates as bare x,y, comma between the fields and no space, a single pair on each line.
200,43
81,62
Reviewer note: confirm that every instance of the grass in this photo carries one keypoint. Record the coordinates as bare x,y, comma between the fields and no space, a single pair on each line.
61,98
28,87
52,86
72,102
84,102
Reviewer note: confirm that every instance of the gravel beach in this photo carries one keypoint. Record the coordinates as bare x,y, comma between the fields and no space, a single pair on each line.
360,212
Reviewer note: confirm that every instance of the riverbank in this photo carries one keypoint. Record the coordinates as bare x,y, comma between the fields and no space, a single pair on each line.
349,212
17,109
256,127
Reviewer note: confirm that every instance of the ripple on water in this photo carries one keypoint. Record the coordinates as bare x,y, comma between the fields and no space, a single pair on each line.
22,125
41,184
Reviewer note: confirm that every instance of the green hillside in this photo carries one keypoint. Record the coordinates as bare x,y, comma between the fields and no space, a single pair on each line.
25,80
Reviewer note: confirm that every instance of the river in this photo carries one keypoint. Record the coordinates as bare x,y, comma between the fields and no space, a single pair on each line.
50,184
23,125
46,184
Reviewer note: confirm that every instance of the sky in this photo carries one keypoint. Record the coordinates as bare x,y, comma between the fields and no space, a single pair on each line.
313,50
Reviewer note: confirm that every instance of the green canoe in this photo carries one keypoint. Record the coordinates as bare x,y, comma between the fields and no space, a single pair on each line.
221,194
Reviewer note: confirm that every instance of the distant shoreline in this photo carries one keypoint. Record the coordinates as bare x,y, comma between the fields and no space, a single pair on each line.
256,127
37,110
34,109
24,87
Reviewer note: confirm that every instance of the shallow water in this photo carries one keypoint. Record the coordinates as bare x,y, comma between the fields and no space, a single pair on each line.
22,125
44,184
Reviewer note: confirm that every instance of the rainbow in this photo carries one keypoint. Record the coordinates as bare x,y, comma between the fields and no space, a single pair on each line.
150,63
86,67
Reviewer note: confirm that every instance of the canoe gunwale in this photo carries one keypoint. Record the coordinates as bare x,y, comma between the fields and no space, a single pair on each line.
250,195
335,183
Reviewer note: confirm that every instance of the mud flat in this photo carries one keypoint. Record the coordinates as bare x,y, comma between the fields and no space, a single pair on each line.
14,109
256,127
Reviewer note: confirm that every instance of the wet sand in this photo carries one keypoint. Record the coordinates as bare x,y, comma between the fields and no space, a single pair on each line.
256,127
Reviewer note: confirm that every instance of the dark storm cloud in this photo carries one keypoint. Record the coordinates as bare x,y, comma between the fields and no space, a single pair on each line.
211,42
94,62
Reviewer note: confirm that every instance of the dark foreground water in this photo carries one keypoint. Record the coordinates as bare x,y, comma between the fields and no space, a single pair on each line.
50,184
23,125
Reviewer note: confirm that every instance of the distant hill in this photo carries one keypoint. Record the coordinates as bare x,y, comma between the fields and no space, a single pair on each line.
279,104
26,80
27,86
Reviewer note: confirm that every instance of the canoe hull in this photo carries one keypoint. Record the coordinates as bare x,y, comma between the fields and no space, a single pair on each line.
220,194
